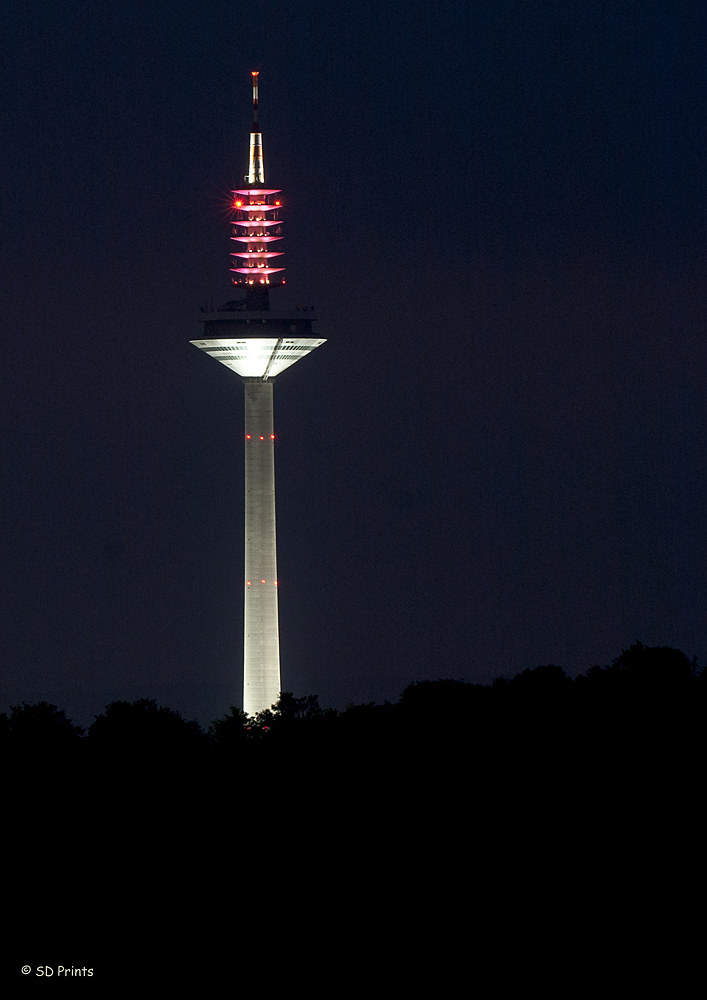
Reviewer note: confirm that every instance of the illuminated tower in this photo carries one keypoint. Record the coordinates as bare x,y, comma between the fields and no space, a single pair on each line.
258,343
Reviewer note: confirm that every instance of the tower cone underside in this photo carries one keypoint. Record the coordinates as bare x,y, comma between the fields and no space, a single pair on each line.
261,653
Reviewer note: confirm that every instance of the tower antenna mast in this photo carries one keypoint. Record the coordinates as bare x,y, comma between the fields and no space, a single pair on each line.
256,172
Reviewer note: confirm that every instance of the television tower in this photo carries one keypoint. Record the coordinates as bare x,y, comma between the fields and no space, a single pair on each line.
258,343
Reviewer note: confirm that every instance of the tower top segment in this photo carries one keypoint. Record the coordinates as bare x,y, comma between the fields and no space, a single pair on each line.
244,335
256,172
256,225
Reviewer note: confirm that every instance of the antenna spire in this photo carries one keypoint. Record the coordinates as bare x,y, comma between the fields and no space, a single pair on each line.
256,173
255,76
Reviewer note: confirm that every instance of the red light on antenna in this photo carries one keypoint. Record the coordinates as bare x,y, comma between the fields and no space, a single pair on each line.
238,204
277,202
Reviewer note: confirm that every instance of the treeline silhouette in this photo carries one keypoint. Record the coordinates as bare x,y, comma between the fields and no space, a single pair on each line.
645,709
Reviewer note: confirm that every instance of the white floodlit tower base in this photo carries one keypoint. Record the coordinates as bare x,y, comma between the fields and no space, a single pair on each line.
232,338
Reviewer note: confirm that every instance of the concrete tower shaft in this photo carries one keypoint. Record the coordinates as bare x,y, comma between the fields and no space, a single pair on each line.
261,652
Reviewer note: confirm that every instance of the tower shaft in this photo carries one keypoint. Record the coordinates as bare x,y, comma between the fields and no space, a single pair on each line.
261,681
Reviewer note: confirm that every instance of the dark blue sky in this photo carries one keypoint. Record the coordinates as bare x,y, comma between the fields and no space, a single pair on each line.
496,461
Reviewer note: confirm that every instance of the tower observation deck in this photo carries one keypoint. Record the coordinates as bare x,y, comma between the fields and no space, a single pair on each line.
258,343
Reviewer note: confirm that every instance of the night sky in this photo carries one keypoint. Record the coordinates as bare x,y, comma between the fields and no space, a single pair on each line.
497,460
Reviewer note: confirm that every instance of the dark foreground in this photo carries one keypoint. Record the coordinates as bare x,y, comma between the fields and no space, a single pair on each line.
466,796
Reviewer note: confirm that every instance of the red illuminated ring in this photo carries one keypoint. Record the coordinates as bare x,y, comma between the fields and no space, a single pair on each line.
257,191
257,270
252,223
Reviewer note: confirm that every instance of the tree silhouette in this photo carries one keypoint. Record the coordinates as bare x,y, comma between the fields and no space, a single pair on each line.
41,737
230,733
288,714
640,717
42,726
656,667
143,732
